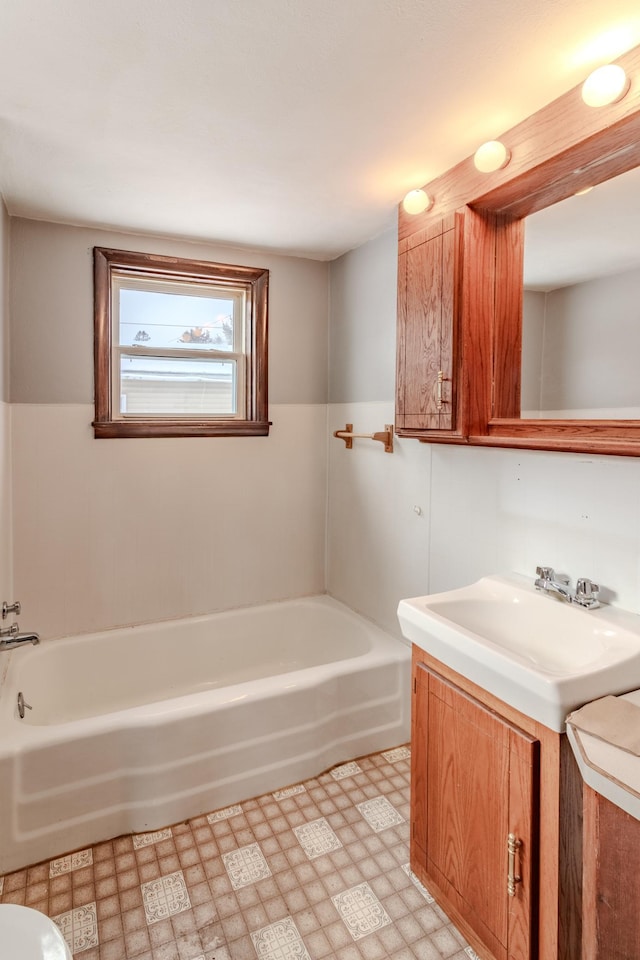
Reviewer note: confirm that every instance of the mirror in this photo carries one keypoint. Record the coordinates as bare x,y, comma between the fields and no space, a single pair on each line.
554,153
581,305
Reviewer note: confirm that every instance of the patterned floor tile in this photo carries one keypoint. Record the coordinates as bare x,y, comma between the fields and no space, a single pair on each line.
289,792
379,813
400,753
361,911
246,865
225,814
280,941
346,770
165,897
146,839
258,887
421,887
75,861
79,927
316,838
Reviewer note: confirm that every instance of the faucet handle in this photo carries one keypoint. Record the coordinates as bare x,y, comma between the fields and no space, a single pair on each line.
545,573
8,608
585,589
11,631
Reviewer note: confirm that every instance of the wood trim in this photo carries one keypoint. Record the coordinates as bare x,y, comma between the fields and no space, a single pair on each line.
590,875
137,429
255,281
570,854
401,346
560,149
554,152
611,881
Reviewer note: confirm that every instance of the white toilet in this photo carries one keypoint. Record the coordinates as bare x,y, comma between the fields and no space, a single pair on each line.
27,934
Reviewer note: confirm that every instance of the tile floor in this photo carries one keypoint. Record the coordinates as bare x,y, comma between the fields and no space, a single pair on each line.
316,870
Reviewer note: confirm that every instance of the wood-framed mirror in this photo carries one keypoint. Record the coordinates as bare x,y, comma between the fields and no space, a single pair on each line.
559,151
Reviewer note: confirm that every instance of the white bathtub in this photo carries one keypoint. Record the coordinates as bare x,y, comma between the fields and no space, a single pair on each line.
138,728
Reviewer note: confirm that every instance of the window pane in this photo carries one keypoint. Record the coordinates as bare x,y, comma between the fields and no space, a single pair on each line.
172,320
166,387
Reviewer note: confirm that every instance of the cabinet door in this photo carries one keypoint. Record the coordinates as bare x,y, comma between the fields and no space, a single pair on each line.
476,782
426,388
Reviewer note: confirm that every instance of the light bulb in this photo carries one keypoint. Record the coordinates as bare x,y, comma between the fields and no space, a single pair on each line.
492,155
417,201
605,85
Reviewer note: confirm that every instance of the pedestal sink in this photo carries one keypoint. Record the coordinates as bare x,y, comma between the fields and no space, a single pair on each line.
541,655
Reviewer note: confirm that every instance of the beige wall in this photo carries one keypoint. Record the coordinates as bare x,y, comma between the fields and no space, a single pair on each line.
6,576
5,227
52,311
592,345
533,311
363,289
112,532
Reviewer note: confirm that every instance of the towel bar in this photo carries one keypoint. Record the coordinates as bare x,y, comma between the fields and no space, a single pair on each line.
384,436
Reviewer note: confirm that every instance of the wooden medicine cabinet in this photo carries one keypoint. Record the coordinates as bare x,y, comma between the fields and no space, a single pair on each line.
461,287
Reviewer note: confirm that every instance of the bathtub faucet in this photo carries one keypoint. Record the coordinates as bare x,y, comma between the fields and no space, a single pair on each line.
15,638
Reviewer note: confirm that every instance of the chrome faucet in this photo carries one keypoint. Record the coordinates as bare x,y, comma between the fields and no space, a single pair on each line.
15,638
586,592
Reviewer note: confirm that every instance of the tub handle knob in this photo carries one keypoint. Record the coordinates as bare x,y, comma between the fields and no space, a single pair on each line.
8,608
22,703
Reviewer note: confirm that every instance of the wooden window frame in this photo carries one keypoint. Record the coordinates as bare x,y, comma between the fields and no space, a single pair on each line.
255,283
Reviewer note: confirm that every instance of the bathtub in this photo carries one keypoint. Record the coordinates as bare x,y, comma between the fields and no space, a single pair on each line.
137,728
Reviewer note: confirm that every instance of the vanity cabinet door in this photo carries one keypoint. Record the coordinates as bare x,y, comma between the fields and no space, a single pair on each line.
426,386
475,781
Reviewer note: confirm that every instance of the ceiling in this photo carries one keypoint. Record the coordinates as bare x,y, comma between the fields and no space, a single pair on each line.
294,125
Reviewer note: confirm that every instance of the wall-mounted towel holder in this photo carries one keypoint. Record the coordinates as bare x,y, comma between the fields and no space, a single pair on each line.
384,436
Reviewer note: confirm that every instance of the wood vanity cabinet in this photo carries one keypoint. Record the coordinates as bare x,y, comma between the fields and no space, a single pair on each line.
427,333
611,894
490,788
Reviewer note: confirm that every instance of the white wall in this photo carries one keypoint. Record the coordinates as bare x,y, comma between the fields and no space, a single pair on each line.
111,532
485,510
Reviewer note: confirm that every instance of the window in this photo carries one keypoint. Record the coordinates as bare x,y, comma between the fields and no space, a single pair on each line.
180,347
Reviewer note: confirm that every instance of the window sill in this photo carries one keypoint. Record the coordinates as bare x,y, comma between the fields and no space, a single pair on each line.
115,429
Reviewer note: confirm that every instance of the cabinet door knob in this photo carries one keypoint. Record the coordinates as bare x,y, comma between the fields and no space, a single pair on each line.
513,845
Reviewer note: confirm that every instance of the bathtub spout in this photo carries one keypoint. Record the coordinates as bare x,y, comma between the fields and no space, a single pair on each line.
18,639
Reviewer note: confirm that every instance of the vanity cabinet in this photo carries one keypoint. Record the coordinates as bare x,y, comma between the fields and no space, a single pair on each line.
490,789
427,344
611,881
471,290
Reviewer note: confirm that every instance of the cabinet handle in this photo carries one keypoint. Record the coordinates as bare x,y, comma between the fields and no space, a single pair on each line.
440,401
513,845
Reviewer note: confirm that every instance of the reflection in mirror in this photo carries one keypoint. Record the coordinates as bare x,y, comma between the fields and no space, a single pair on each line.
581,309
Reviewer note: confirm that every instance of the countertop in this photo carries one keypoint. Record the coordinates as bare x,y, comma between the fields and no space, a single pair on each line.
610,771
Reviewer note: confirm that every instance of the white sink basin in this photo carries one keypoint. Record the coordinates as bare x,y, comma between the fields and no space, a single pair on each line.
535,652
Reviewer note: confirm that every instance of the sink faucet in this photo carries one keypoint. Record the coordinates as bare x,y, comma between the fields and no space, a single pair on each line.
586,592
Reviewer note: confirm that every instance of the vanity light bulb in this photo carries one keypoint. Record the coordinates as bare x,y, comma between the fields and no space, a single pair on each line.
417,201
491,156
605,85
